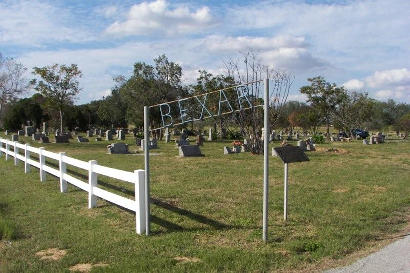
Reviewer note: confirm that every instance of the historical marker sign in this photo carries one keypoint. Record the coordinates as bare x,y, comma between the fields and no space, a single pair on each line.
291,154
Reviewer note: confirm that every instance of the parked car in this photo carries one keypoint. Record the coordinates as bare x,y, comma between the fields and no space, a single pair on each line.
361,133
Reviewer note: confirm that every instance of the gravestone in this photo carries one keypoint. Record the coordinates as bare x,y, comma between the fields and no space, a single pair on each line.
62,139
98,139
6,132
244,148
44,139
189,151
89,133
117,148
28,131
138,141
44,128
167,135
14,137
108,135
272,136
121,135
210,135
310,146
289,137
365,142
200,140
82,139
69,135
36,136
302,145
152,144
227,150
182,142
20,132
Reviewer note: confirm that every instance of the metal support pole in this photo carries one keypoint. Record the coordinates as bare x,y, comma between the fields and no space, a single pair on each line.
146,157
266,162
285,192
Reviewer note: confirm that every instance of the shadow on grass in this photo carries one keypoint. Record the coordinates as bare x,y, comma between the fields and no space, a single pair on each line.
171,227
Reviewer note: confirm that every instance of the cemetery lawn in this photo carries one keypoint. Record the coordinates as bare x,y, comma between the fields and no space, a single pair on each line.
207,212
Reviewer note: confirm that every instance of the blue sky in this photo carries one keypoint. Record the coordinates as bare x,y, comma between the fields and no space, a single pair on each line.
363,45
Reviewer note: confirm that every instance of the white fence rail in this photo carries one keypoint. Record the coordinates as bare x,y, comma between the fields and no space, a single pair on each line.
12,149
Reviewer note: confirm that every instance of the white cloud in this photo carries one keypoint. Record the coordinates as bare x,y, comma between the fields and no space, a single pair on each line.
354,84
394,77
283,52
385,84
147,18
35,23
354,34
240,43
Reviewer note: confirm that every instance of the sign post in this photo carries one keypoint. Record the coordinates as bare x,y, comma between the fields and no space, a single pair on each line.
146,158
266,162
288,154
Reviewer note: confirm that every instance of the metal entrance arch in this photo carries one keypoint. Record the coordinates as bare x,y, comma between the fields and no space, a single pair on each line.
222,99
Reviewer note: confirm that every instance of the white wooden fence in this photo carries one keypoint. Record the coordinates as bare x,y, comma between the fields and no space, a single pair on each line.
12,149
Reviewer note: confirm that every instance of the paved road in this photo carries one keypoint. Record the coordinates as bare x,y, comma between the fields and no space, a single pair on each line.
394,258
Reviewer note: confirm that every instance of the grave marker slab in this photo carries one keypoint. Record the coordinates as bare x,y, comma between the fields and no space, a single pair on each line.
117,148
190,151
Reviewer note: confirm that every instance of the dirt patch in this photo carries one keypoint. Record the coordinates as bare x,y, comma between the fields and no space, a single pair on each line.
341,190
52,254
332,150
380,188
85,267
183,260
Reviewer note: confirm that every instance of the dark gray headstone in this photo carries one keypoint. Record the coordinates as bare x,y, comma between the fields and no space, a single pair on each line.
62,139
82,139
14,137
108,135
20,132
44,139
117,148
36,136
189,150
98,139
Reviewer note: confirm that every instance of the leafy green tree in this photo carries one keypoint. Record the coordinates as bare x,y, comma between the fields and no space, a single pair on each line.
404,124
324,97
59,85
150,85
21,111
353,112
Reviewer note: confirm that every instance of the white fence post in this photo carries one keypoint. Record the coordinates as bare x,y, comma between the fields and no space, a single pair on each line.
140,201
92,181
16,151
7,150
26,158
42,160
63,169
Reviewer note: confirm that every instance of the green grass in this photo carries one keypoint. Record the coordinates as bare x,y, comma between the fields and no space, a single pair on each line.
208,208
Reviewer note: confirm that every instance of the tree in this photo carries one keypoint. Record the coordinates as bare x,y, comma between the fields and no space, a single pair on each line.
324,97
151,85
353,112
12,81
21,111
404,124
250,73
59,85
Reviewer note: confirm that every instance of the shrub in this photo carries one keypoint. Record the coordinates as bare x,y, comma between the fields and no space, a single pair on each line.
318,139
